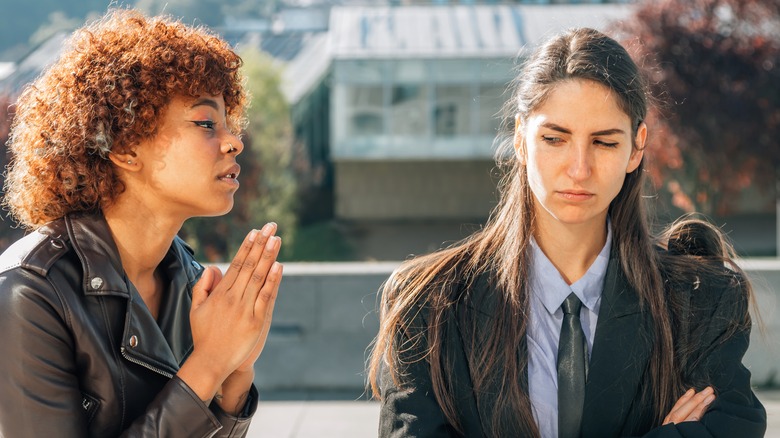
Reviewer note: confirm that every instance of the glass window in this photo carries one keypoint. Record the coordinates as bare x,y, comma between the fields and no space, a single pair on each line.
364,107
409,109
448,71
406,70
451,110
362,71
491,99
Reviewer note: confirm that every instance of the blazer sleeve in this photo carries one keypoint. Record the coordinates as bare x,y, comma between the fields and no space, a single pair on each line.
719,335
39,376
408,406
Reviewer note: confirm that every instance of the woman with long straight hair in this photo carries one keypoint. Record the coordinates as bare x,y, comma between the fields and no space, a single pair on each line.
564,316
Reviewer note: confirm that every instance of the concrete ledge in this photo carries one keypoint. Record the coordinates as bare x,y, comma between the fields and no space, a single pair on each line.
325,320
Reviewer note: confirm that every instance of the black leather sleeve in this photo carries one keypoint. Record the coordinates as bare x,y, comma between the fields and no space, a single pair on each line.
39,376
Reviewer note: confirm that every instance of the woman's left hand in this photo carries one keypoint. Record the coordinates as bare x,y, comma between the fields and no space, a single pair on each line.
269,289
272,281
691,406
234,390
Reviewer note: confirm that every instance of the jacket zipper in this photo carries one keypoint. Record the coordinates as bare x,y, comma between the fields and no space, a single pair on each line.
144,364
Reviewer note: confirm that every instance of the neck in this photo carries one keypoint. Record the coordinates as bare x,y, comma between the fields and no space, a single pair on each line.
572,249
142,238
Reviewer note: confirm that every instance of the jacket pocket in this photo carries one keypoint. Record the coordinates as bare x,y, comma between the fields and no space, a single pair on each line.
90,406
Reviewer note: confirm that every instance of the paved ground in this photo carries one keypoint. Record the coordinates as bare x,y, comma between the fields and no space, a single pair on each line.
314,418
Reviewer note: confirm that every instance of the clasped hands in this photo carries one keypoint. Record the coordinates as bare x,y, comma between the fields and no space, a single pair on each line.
230,319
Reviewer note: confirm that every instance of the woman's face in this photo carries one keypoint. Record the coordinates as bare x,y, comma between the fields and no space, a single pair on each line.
188,168
577,149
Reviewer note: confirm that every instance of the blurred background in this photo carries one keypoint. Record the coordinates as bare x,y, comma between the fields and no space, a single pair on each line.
372,130
372,124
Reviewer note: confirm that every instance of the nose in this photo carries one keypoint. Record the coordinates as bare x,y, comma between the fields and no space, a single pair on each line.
232,145
580,161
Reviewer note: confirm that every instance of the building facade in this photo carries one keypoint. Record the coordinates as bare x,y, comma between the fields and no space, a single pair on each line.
413,100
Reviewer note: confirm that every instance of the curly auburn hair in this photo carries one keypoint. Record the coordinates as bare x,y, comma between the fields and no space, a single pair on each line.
106,93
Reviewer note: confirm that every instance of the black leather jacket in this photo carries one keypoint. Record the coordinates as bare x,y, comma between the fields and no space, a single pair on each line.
81,354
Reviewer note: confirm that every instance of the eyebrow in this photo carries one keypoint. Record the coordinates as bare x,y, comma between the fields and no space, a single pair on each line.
558,128
207,102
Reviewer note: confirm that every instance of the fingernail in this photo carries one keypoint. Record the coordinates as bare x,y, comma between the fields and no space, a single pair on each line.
709,390
690,391
267,229
271,243
276,268
252,235
709,399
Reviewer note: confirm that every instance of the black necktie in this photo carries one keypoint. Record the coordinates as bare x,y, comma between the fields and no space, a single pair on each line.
572,369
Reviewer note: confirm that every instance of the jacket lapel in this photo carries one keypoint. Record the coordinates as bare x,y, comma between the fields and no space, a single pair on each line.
160,348
162,345
619,359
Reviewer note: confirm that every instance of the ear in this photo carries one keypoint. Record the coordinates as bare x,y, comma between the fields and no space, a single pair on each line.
519,141
639,149
127,161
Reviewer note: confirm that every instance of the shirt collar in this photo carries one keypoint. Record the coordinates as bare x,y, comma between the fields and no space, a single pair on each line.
552,289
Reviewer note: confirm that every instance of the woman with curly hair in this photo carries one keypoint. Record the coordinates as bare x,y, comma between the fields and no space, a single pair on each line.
111,328
564,316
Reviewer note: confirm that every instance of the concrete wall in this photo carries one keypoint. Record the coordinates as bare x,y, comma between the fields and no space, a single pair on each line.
763,356
325,319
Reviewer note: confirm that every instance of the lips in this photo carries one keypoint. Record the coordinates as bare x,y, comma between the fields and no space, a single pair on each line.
231,173
576,195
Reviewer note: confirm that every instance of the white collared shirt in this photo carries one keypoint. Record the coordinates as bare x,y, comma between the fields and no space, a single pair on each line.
548,291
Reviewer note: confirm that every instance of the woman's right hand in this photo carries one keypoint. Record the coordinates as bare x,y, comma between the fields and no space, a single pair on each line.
691,406
230,315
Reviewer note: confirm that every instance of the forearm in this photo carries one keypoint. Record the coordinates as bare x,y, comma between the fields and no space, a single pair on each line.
233,394
202,377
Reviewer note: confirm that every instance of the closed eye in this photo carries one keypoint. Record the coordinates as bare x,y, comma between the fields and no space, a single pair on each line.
606,144
208,124
549,139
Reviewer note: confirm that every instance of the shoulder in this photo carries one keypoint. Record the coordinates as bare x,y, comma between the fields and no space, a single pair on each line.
27,290
706,298
37,251
432,287
696,257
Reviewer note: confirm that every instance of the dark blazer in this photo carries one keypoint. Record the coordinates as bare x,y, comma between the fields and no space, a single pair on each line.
614,400
82,355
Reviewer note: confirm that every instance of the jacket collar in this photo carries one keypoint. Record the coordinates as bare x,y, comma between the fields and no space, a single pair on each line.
621,350
93,243
160,345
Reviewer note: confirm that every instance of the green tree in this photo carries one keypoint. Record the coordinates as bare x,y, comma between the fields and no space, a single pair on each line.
717,64
268,186
270,139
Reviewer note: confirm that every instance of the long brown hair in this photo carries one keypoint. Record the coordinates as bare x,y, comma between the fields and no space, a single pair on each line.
499,251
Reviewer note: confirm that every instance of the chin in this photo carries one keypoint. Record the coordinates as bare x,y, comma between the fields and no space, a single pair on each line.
574,215
579,219
215,212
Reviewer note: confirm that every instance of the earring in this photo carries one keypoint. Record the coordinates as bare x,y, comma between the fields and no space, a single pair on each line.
129,161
